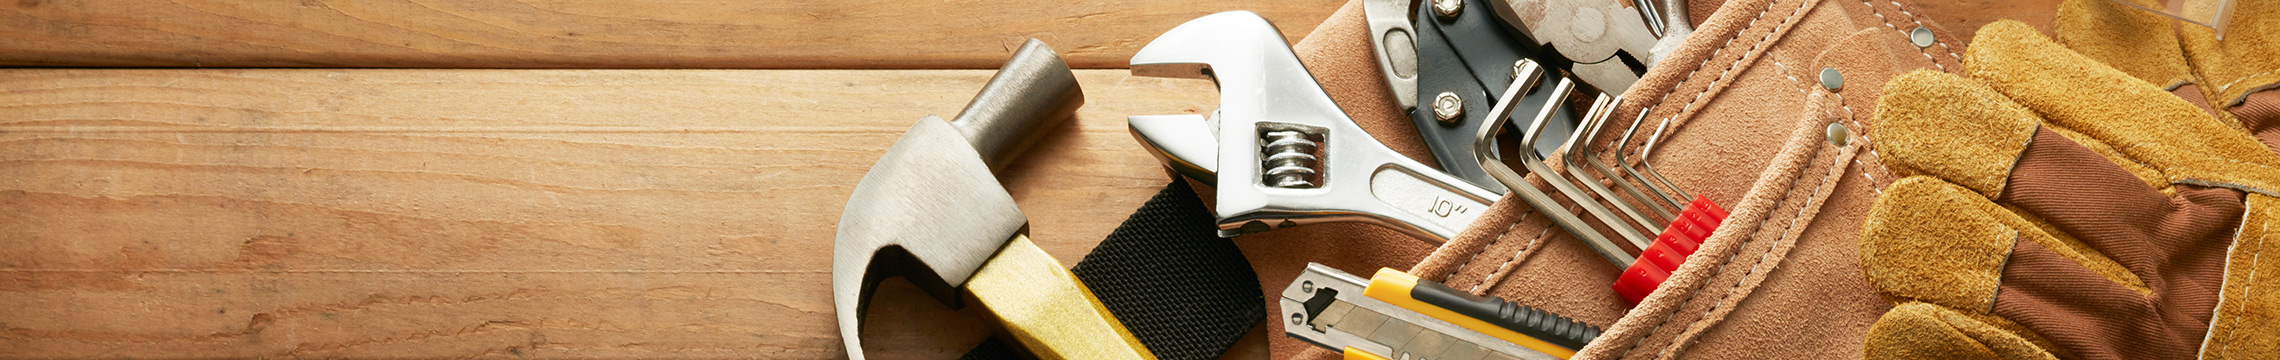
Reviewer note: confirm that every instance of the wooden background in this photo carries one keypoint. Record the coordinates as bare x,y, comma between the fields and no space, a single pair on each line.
330,212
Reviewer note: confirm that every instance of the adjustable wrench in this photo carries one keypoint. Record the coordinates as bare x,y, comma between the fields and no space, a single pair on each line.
1278,152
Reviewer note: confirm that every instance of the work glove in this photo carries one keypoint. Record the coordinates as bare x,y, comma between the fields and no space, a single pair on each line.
2054,206
2230,75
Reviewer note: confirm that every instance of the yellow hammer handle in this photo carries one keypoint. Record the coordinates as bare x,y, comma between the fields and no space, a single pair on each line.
1045,308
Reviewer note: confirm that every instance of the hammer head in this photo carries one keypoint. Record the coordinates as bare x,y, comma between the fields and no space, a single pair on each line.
931,210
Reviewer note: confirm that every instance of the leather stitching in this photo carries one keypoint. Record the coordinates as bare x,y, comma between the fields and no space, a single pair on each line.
1850,118
1867,143
1746,55
1757,229
1802,88
1491,243
1858,129
1912,18
2233,335
1504,269
2228,85
1782,236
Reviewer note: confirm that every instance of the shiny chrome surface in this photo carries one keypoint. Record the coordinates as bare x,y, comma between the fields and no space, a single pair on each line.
1183,142
1396,43
1544,203
1580,151
1599,108
1263,88
1535,164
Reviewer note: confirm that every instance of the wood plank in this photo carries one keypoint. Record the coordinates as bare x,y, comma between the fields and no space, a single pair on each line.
446,213
600,34
654,33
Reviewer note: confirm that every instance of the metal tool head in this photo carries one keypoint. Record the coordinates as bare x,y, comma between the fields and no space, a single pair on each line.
931,210
1286,154
1610,42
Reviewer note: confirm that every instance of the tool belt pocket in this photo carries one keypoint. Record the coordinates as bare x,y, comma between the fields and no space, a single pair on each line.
1805,208
1780,275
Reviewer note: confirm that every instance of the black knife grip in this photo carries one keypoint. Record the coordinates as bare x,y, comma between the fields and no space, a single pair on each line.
1539,324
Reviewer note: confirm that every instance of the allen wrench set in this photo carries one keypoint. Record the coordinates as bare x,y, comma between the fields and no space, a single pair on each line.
1662,251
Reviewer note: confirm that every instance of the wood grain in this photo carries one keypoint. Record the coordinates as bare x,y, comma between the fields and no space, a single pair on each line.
970,34
655,33
557,213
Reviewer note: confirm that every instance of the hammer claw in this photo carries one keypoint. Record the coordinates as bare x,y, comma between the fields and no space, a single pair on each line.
931,210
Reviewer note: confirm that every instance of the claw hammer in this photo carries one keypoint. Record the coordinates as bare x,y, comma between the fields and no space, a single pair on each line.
932,211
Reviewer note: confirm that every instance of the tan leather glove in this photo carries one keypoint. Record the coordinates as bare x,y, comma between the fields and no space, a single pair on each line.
2054,206
2233,75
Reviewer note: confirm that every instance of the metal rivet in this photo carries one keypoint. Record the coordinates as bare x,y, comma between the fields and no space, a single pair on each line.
1832,80
1448,9
1307,286
1297,319
1838,135
1922,37
1447,107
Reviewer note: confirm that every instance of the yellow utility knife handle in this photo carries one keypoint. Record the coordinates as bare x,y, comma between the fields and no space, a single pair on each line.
1047,310
1358,354
1519,324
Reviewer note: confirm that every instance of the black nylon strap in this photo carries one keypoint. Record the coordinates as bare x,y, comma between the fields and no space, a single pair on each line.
1166,274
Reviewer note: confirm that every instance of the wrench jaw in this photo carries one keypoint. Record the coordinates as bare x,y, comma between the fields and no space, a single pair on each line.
1267,94
1183,142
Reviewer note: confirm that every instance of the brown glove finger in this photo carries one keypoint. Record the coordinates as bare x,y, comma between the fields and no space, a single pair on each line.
1941,125
2085,317
2129,39
1966,133
2174,244
2245,61
1932,241
2142,122
1915,330
2087,197
2082,193
1938,243
1945,126
2260,114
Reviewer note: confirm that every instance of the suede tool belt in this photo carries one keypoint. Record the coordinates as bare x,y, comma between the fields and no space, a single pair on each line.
1739,114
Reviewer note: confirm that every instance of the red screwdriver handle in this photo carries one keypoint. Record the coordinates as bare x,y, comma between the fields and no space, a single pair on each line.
1680,239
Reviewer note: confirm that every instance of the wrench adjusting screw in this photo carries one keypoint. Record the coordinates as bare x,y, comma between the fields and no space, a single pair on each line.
1448,9
1448,108
1291,160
